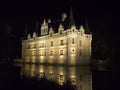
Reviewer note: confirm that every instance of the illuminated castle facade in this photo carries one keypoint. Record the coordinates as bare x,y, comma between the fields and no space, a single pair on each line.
65,45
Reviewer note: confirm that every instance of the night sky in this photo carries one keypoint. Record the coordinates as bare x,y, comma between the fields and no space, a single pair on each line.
14,16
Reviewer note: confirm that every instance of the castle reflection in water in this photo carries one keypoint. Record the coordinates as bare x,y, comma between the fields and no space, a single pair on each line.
80,76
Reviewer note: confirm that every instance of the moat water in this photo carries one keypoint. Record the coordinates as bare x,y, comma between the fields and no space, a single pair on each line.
56,77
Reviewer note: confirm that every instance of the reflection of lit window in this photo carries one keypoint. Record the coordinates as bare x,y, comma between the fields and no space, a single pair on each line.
61,77
51,76
41,74
61,43
61,52
73,41
51,43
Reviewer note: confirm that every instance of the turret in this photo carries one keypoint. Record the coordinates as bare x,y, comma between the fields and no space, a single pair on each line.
60,29
28,36
51,32
82,30
36,28
44,28
71,19
34,35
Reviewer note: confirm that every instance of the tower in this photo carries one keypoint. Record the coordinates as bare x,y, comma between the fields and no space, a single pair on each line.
44,28
60,29
71,19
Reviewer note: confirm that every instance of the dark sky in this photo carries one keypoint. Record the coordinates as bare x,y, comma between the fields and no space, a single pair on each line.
100,14
21,13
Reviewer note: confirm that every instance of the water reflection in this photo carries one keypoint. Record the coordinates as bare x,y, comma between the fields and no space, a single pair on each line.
80,76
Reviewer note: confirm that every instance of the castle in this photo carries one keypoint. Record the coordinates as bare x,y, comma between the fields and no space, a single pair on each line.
60,42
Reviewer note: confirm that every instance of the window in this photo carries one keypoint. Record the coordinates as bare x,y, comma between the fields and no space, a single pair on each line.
61,52
51,52
61,43
73,50
73,41
33,53
42,45
51,43
80,43
61,77
42,53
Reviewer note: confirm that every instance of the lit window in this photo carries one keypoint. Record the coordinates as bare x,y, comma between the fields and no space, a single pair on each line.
33,53
51,52
62,42
42,53
61,77
51,43
61,52
73,41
